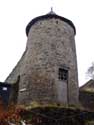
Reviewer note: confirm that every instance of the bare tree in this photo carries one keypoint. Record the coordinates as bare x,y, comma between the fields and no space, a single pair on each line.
90,71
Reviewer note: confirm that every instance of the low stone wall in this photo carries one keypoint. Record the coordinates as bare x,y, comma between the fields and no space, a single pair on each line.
55,116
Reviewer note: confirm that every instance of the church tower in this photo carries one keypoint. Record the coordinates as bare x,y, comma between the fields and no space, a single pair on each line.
48,67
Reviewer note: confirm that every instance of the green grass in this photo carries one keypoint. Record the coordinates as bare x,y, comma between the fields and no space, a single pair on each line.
91,90
89,122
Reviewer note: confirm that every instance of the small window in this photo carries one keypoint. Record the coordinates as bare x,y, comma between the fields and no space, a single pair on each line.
63,74
4,88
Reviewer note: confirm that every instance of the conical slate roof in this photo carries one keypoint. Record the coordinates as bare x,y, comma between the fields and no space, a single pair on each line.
49,15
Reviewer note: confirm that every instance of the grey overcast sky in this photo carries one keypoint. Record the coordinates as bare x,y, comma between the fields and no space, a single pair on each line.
15,15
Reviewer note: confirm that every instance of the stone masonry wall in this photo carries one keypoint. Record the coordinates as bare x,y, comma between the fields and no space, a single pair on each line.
50,45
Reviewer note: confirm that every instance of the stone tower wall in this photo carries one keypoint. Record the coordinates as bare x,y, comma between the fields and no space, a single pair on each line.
50,45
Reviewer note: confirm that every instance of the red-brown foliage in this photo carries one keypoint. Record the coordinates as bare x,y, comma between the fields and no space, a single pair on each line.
9,114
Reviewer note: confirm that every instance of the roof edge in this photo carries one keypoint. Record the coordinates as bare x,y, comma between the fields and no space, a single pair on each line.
49,16
86,84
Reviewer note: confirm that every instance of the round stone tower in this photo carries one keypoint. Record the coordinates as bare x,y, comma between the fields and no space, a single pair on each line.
48,67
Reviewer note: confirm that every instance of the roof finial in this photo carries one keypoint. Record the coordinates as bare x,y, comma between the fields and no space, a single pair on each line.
51,9
51,12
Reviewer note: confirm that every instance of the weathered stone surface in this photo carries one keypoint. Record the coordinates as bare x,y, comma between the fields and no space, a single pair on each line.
50,45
